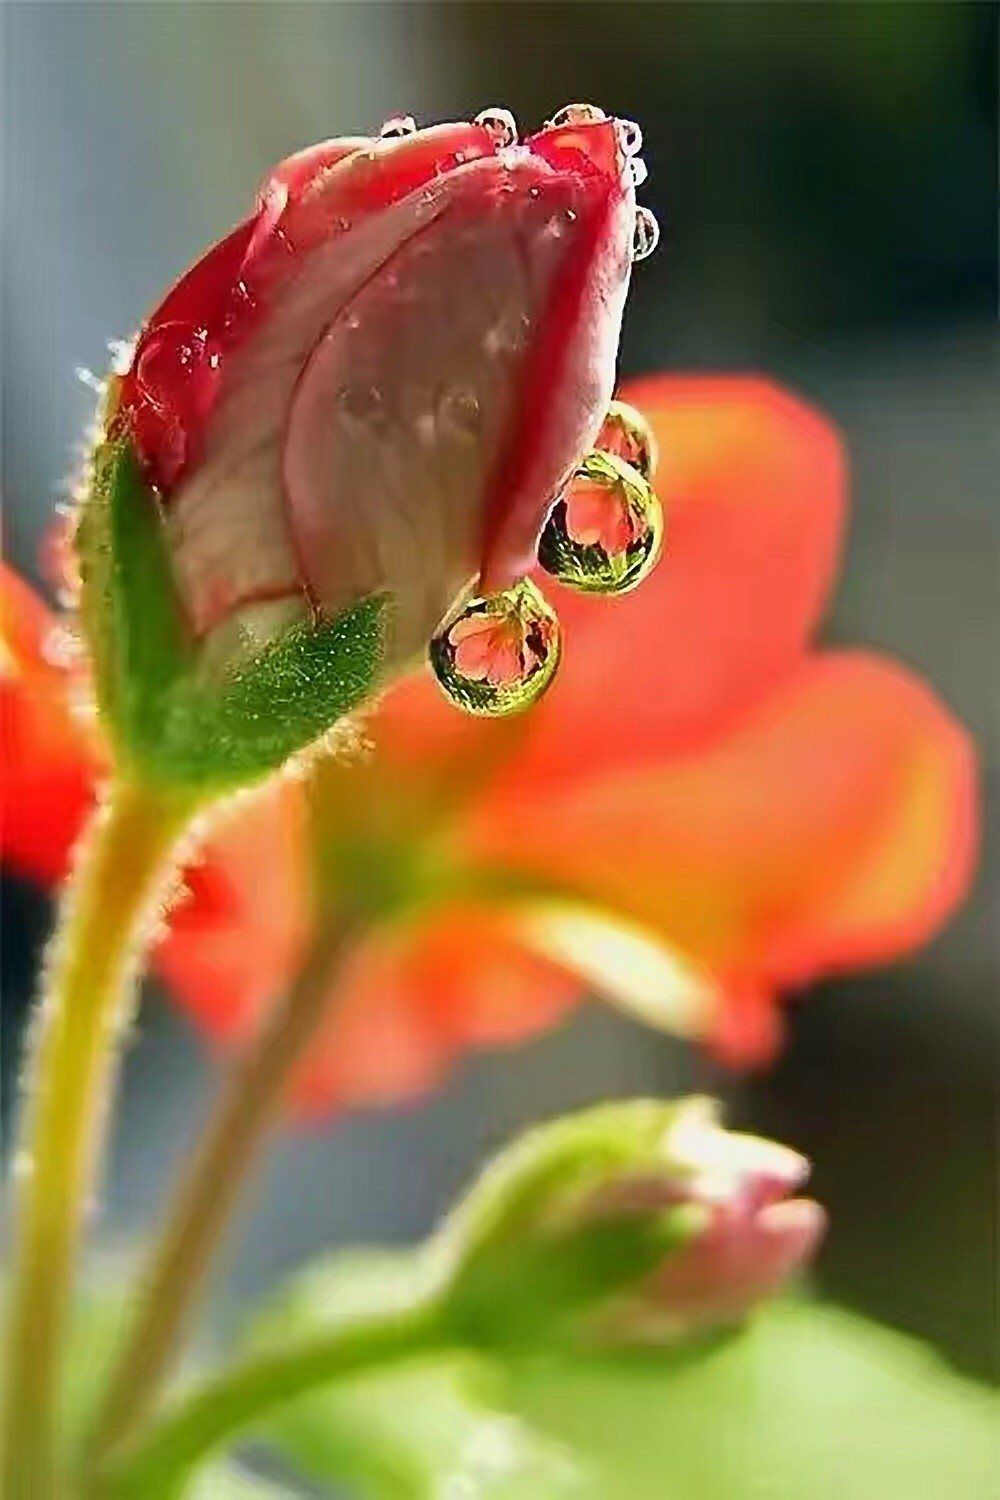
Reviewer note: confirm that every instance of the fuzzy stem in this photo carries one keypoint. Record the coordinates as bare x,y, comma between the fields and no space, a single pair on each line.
153,1466
209,1192
113,898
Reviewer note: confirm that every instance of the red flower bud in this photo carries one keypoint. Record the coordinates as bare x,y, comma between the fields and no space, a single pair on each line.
379,381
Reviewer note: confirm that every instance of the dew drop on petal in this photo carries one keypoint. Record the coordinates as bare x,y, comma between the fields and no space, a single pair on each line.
398,126
497,654
500,125
626,433
645,235
604,533
629,137
576,114
637,171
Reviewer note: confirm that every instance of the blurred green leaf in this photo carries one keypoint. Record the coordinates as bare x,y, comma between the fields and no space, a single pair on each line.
226,1482
432,1430
807,1403
429,1432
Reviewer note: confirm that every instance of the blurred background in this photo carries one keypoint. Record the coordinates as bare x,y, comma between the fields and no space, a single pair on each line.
826,179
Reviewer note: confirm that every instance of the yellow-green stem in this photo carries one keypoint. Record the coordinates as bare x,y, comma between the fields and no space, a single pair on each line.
210,1188
112,900
153,1466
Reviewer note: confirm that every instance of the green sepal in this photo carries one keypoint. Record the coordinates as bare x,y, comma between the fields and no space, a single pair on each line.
170,721
524,1257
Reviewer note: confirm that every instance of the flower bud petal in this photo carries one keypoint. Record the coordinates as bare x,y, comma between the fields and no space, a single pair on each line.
378,384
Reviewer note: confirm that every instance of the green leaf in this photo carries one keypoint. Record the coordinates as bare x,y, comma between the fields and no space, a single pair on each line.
431,1430
806,1403
809,1403
177,724
227,1482
427,1431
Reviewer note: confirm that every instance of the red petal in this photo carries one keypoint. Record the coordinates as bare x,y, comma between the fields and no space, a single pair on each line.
237,938
50,760
505,300
416,275
218,303
300,169
834,827
567,385
412,998
753,486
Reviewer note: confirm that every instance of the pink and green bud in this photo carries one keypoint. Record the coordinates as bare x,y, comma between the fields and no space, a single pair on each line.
749,1235
639,1222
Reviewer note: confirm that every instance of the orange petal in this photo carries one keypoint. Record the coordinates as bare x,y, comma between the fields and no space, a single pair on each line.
413,997
752,482
836,826
50,759
236,938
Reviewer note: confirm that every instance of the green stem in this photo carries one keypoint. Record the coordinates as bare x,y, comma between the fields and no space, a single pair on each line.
113,897
154,1466
209,1191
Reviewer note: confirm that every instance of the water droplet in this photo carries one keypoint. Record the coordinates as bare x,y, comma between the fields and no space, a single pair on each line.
459,411
576,114
87,377
398,126
500,125
637,171
496,655
629,137
166,360
628,435
362,403
604,532
645,235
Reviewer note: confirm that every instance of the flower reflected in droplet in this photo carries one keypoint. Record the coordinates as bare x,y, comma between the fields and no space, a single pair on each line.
496,655
604,533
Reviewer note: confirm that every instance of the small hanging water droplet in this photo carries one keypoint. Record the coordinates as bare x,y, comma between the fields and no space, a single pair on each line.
628,435
604,533
576,114
397,126
645,235
496,655
500,125
629,137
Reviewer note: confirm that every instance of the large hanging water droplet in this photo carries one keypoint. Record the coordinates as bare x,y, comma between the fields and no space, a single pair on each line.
604,533
628,435
496,655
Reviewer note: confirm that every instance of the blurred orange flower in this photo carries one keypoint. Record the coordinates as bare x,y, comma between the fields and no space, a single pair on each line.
703,811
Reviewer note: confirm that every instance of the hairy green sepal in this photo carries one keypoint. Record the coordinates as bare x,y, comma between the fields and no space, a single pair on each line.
172,724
